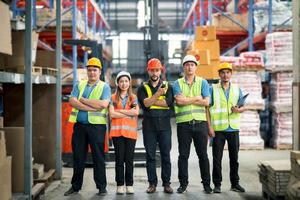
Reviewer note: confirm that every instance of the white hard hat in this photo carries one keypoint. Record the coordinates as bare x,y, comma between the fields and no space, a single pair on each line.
189,58
120,74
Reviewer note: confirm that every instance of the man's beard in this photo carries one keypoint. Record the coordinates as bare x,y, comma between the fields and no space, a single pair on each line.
154,78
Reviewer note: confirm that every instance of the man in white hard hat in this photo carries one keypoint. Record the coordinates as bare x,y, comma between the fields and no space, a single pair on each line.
192,96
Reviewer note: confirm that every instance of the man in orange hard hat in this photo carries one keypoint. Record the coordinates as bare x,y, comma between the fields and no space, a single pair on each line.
156,99
89,99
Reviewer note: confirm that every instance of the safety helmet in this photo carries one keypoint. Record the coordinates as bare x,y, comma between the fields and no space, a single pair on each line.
225,65
121,74
189,58
154,63
94,62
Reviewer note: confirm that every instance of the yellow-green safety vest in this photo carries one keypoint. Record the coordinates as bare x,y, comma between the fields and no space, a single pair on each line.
149,93
98,117
189,112
221,115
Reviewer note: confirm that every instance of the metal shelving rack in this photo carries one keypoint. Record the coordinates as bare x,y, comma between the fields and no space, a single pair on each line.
241,40
93,15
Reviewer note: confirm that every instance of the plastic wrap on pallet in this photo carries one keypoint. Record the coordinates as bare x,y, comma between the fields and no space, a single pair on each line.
279,48
282,129
234,60
250,123
249,131
250,82
253,59
281,11
281,91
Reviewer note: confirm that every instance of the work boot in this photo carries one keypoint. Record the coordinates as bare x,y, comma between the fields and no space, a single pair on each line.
207,189
217,189
168,189
70,192
151,189
102,192
182,189
237,188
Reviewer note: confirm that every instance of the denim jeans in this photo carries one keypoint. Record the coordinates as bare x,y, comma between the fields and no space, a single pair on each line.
124,154
197,132
92,134
163,138
232,139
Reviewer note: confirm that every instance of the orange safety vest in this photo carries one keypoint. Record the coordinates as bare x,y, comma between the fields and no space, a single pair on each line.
126,127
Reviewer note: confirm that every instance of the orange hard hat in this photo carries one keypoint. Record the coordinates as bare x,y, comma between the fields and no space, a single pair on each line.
154,63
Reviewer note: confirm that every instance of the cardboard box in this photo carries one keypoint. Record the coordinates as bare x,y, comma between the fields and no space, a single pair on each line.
45,59
208,71
212,46
2,146
223,23
203,56
5,30
18,49
204,33
15,147
5,178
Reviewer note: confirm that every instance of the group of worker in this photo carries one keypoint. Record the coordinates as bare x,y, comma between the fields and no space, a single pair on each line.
201,112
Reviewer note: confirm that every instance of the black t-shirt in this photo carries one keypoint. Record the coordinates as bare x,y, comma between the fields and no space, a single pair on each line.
156,119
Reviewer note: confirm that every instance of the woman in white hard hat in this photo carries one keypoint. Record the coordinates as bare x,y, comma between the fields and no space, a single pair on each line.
124,111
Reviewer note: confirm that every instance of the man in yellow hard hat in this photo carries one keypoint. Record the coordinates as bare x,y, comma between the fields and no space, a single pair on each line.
225,107
89,99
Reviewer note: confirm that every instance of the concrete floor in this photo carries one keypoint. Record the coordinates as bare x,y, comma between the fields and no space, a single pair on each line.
248,174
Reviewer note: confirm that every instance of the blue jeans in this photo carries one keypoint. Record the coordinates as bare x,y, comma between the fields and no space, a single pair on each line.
84,135
163,138
186,133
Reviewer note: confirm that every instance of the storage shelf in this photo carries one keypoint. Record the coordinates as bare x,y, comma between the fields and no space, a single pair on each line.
8,77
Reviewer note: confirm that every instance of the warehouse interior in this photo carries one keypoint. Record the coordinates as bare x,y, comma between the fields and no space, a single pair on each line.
44,49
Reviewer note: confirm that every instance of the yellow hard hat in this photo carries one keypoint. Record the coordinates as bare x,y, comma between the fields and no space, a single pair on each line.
94,62
225,65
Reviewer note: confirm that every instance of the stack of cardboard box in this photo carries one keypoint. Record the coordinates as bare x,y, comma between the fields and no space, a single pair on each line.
206,48
5,170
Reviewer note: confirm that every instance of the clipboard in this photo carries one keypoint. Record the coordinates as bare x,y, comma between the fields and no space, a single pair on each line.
242,100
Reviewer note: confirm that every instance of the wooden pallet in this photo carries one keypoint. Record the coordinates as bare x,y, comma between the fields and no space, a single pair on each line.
284,147
38,190
49,71
46,178
270,196
34,70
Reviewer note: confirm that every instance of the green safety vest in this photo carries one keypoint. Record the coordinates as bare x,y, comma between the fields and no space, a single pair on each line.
149,93
221,115
98,117
189,112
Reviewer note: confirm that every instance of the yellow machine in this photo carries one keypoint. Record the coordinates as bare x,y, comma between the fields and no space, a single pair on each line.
206,48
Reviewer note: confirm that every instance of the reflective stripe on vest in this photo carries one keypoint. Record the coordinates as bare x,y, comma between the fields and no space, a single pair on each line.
220,112
189,112
149,93
98,117
126,126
